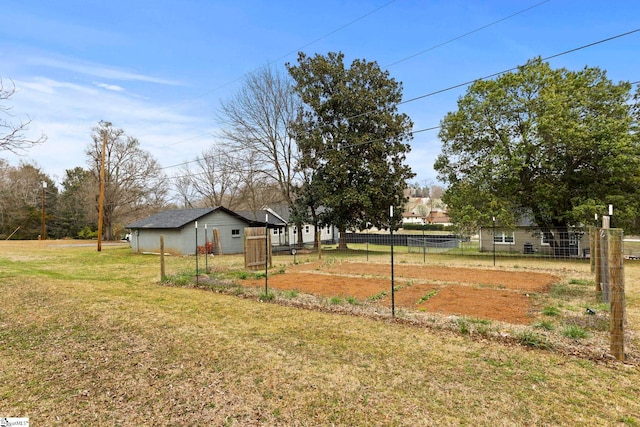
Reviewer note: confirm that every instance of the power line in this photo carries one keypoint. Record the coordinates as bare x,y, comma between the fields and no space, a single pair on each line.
228,151
198,159
351,23
240,170
426,129
485,78
499,72
342,27
515,68
460,85
355,144
189,139
271,63
335,31
466,34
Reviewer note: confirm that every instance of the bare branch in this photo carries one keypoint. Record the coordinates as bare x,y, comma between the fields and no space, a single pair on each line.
258,120
13,134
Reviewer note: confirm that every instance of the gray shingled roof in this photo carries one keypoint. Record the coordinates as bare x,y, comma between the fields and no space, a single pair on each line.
282,209
176,218
259,216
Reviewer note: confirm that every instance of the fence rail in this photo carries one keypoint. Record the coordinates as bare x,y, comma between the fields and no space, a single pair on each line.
451,244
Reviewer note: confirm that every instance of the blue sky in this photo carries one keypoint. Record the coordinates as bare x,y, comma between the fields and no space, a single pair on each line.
159,69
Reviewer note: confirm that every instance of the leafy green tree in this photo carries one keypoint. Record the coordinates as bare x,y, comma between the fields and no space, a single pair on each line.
550,144
21,201
351,136
76,202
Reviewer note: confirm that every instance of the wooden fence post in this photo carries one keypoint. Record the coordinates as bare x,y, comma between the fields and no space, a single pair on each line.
616,289
217,244
246,249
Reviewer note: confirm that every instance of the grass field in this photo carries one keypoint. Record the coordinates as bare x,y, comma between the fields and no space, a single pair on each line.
94,339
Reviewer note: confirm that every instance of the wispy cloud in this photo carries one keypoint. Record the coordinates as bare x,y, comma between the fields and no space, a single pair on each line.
114,88
98,70
67,112
44,85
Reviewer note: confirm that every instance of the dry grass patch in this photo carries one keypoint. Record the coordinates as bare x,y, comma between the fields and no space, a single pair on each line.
92,339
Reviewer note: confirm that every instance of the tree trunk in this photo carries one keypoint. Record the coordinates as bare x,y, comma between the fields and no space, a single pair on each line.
300,239
343,239
563,249
314,217
559,240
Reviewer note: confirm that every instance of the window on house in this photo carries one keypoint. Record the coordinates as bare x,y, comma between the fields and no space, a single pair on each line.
546,240
235,232
505,237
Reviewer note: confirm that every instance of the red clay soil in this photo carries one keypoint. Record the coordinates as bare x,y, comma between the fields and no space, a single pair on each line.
521,280
487,294
484,303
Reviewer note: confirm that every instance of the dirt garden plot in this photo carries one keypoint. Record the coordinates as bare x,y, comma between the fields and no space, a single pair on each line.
487,294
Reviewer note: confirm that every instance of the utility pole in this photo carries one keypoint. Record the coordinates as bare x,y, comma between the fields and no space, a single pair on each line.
101,197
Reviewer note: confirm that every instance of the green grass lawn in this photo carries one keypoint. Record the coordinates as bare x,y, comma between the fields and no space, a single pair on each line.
94,339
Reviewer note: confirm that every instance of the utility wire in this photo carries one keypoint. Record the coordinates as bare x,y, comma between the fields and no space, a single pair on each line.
188,139
515,68
503,71
457,86
334,31
466,34
342,27
345,26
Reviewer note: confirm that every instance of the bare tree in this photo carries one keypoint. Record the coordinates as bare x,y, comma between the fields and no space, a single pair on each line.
134,182
220,178
12,134
257,120
185,195
255,191
213,180
437,191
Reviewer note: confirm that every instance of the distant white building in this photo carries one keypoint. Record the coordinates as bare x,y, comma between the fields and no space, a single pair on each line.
284,233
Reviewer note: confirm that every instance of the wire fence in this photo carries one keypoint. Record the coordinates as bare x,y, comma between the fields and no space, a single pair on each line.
574,293
597,283
567,246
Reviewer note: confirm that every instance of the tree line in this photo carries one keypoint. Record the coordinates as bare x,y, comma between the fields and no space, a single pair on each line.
326,140
332,154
